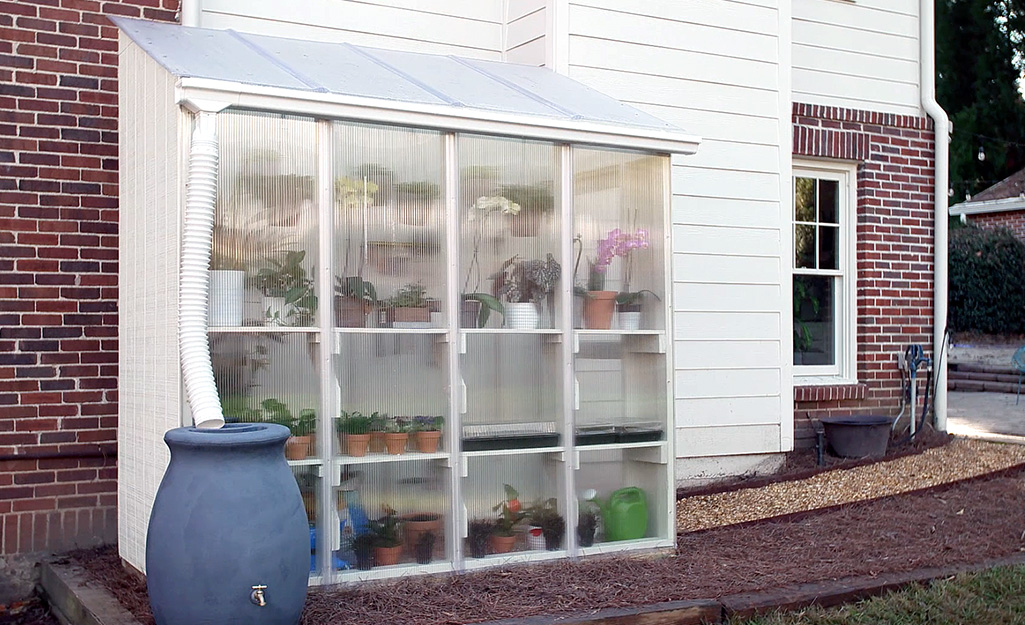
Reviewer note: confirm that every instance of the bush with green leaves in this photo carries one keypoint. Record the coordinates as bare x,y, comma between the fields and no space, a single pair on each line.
987,281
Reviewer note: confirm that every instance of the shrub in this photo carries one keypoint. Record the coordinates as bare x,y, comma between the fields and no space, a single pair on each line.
987,281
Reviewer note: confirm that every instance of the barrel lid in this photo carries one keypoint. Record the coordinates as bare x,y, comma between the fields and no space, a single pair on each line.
231,435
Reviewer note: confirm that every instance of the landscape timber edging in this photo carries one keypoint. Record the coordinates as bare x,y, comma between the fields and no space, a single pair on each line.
79,600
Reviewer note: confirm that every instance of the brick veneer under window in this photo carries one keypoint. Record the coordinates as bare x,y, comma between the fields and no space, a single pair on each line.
58,268
1012,220
895,220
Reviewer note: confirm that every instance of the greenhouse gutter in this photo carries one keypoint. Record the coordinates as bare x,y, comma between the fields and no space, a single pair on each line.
205,94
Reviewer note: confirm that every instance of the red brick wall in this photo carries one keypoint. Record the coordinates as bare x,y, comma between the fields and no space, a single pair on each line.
895,217
58,269
1012,220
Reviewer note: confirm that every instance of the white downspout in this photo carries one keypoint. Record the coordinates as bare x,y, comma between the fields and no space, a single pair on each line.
194,277
190,10
927,64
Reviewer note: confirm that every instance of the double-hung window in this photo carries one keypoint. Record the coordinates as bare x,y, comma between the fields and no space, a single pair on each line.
824,272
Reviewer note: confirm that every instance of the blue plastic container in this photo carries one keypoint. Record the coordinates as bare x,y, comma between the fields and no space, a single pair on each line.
228,516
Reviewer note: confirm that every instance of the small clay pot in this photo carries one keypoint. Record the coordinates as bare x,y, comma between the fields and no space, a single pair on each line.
502,544
356,444
395,442
427,442
297,448
387,556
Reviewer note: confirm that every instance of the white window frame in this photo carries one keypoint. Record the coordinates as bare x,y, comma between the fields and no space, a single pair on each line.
845,303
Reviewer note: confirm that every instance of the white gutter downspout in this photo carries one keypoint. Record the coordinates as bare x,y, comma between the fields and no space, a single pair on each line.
927,64
194,277
190,12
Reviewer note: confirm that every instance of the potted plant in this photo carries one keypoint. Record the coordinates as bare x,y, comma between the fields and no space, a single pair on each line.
545,515
396,435
363,548
354,299
525,284
289,297
599,304
511,513
414,199
409,305
354,433
387,545
587,523
298,445
427,432
415,525
378,422
536,202
478,535
629,305
424,549
476,309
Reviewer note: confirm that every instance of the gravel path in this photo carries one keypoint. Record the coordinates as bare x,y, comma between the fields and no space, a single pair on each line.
961,459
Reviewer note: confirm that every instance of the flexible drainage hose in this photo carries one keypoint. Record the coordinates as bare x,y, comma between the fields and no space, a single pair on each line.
194,277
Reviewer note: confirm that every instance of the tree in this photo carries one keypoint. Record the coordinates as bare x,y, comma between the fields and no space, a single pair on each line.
978,50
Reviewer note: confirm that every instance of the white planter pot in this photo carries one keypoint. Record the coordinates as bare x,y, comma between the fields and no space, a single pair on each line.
535,539
521,316
275,311
227,293
629,321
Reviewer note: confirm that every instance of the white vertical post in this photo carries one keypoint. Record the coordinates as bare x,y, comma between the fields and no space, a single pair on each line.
326,524
456,392
670,343
569,388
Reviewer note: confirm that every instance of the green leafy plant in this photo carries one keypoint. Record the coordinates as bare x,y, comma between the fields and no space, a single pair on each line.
397,424
987,292
421,189
477,535
545,514
386,530
285,277
279,413
410,296
425,423
356,288
533,281
353,423
634,298
488,304
378,422
511,512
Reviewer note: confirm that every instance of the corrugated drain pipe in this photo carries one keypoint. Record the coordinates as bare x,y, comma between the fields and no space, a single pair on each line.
194,277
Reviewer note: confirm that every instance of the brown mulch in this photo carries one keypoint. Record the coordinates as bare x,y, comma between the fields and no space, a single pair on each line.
32,611
965,522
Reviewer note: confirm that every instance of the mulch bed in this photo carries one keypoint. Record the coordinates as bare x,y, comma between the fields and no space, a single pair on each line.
29,612
965,522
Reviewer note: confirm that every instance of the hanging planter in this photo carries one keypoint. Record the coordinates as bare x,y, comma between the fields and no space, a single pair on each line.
195,546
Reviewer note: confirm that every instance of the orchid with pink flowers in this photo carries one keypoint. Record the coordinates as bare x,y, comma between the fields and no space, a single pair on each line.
616,243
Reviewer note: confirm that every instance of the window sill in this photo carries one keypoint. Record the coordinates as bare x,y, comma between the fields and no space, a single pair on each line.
834,390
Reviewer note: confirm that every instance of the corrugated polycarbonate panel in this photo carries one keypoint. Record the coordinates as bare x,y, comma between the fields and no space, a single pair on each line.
631,491
265,226
389,227
620,238
510,228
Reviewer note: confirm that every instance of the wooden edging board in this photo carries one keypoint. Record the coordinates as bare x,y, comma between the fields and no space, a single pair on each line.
78,600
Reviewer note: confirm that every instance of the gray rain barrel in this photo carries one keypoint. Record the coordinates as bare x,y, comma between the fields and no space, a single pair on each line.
228,516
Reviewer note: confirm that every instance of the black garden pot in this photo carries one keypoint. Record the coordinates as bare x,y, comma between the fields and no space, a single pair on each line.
228,516
858,436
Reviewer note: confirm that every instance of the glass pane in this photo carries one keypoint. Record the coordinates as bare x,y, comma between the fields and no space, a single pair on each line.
520,523
389,227
814,320
829,201
630,500
513,391
395,384
265,230
619,242
509,221
804,199
829,247
392,514
622,389
804,246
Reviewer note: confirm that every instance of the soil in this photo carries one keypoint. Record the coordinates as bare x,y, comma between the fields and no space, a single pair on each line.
963,522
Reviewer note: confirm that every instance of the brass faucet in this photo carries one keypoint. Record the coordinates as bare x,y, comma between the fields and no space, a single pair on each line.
257,595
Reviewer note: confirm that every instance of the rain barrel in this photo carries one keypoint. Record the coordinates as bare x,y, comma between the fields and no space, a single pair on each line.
626,514
228,516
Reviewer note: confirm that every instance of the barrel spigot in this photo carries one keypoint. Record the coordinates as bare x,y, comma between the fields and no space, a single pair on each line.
257,595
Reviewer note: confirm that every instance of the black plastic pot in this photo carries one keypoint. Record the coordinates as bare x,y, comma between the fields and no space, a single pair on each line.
858,436
228,516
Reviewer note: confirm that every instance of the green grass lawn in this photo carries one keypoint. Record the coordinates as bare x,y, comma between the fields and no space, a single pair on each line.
992,597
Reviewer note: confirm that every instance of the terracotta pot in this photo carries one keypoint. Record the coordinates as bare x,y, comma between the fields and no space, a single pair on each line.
416,525
350,312
387,556
396,442
427,442
377,445
297,448
502,544
356,444
598,309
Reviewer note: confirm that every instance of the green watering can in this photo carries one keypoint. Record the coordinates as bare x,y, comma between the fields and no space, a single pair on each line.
625,514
